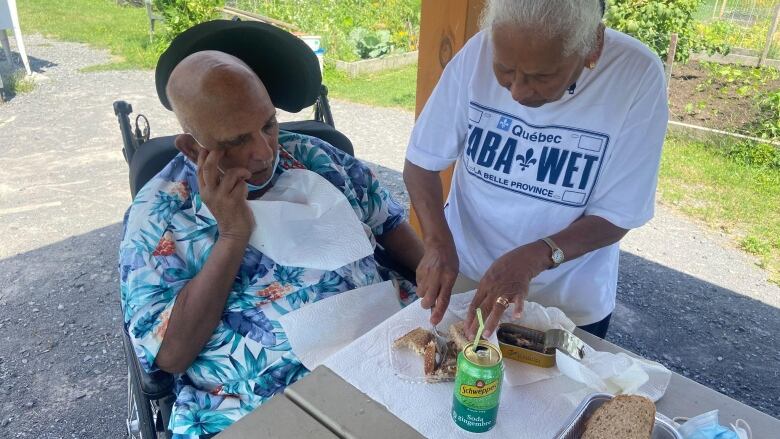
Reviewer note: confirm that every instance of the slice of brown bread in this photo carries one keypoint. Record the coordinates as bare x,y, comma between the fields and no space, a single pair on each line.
458,335
416,340
624,417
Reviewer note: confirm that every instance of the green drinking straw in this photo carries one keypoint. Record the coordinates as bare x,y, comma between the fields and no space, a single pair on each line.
479,329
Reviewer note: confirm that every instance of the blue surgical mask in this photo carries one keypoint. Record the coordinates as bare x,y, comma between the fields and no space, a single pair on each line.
706,426
254,187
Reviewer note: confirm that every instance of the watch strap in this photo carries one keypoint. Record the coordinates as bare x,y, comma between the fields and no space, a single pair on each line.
554,247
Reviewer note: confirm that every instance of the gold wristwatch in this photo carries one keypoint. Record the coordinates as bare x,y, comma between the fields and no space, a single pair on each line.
557,254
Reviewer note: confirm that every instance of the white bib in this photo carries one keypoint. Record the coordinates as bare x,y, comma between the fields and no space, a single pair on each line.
305,221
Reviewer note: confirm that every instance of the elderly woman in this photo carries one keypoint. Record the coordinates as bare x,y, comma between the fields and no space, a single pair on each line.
555,125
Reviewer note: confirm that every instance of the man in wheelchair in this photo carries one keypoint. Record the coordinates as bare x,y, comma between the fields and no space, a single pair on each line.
199,301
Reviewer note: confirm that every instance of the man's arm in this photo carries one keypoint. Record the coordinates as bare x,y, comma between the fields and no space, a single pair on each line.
439,265
510,275
199,306
403,245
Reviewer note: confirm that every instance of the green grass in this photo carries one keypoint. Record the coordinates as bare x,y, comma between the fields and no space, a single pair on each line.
102,23
18,82
742,200
394,88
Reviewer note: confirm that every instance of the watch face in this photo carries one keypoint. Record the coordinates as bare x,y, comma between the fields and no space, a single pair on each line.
557,256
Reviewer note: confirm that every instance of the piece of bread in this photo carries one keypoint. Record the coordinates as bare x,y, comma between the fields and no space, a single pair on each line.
417,340
624,417
423,343
458,335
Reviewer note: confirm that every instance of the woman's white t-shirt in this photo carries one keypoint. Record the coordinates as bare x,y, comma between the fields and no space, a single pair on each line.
526,173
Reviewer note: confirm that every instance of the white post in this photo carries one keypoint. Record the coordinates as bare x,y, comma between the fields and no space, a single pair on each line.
670,58
9,19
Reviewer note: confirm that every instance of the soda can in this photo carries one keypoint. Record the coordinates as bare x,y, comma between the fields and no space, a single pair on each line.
478,387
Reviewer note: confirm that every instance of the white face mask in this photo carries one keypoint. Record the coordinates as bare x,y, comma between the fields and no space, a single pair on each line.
252,187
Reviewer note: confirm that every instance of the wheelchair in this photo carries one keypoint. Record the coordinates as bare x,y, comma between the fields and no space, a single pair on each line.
150,397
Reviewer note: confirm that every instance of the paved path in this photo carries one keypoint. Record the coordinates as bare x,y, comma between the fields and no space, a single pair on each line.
687,298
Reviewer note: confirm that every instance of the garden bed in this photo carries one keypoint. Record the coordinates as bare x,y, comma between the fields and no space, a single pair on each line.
721,97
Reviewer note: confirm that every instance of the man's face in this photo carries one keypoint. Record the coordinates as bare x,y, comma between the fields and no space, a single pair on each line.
242,123
532,66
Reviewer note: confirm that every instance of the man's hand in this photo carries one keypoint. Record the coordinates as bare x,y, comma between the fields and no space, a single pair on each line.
436,275
506,281
225,196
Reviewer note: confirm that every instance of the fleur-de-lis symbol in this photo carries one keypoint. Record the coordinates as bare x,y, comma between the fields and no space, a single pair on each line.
527,160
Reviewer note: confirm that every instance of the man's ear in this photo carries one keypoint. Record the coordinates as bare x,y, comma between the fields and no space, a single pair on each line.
187,145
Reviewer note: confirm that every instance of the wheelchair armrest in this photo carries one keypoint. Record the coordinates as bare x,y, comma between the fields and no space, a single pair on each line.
155,385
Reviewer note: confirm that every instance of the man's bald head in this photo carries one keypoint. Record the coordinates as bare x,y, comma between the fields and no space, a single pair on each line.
211,84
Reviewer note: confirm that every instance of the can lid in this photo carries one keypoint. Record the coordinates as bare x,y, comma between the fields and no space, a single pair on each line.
483,354
565,342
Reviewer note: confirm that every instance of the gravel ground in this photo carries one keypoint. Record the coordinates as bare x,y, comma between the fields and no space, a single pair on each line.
686,297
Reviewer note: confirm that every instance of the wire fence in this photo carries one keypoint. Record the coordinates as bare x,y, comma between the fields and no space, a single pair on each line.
749,27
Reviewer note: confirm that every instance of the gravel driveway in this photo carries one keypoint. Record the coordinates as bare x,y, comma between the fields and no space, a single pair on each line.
686,297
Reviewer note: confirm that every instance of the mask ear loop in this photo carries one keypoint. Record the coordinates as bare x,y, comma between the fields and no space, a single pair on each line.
743,425
219,168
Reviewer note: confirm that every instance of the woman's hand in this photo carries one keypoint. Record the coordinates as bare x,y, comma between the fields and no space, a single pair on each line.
225,196
436,274
507,281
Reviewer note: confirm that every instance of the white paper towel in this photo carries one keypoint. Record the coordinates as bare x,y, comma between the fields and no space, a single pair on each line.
536,409
318,330
304,221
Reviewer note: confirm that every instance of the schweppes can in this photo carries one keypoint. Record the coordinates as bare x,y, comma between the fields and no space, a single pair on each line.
478,387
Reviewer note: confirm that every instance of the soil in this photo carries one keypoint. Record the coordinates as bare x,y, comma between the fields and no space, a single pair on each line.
714,103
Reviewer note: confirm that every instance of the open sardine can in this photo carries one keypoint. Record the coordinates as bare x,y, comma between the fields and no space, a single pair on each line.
536,347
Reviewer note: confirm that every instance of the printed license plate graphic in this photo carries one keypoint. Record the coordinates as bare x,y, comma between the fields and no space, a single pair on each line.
553,163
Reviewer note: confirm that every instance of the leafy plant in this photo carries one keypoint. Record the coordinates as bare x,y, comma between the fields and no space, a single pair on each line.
370,44
729,34
653,22
754,154
739,79
334,20
181,15
768,125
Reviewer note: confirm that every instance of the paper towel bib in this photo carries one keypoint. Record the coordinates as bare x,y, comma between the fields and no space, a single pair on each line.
305,221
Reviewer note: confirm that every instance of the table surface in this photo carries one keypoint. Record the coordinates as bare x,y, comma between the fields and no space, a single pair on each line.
323,405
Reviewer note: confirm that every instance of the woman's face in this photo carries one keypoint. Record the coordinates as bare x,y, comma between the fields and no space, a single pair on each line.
531,66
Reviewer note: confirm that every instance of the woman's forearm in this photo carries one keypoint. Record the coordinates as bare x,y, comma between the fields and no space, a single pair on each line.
425,192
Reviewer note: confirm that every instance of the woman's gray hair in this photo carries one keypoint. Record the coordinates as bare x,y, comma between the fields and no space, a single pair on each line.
575,21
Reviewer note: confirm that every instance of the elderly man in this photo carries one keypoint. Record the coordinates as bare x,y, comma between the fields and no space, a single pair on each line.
198,300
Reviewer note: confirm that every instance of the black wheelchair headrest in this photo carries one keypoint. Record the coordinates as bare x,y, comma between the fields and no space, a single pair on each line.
284,63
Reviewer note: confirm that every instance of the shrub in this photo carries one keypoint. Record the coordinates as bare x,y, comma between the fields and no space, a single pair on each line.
653,21
181,15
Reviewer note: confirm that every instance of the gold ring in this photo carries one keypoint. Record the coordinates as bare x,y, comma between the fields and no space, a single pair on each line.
503,301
